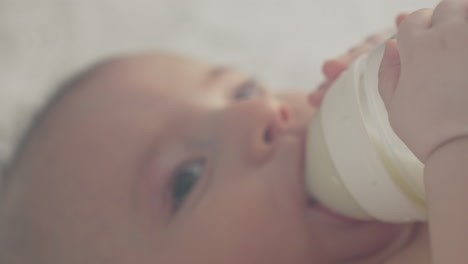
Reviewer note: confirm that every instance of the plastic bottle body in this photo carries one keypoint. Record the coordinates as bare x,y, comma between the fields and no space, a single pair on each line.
355,164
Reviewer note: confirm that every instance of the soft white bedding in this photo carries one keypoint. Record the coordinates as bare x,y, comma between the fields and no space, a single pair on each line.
282,42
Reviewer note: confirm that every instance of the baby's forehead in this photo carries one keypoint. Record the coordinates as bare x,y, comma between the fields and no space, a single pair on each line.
158,69
114,82
155,62
118,86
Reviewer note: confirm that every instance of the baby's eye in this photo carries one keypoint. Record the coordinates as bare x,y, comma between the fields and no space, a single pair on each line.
184,180
247,90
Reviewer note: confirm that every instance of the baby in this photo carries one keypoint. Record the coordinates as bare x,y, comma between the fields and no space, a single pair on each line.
161,159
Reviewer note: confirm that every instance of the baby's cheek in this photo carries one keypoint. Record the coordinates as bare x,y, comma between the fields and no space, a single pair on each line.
244,224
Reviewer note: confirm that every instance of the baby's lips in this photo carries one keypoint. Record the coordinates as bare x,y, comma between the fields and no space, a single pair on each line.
315,98
311,201
289,156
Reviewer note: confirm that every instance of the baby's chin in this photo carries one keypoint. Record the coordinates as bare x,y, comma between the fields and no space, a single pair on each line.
358,241
383,242
392,242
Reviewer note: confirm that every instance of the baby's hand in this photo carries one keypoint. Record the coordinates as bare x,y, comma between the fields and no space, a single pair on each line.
424,77
332,68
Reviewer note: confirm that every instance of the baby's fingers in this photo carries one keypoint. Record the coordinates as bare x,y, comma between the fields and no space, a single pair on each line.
411,29
413,25
389,72
400,18
449,11
417,21
334,67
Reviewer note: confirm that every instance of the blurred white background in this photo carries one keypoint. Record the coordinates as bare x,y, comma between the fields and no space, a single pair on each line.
283,42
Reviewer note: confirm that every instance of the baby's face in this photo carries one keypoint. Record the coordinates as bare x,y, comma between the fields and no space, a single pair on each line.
159,159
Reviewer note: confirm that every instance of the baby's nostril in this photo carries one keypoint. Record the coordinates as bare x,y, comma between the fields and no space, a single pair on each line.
284,114
281,121
269,134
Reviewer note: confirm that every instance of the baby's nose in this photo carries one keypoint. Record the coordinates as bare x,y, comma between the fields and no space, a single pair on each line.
279,120
252,129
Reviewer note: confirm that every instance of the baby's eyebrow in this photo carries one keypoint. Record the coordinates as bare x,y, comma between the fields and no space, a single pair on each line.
216,73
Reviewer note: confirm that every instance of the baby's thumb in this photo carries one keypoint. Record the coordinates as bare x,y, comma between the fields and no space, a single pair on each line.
389,72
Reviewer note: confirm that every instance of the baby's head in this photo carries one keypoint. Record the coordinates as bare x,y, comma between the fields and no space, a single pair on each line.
162,159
